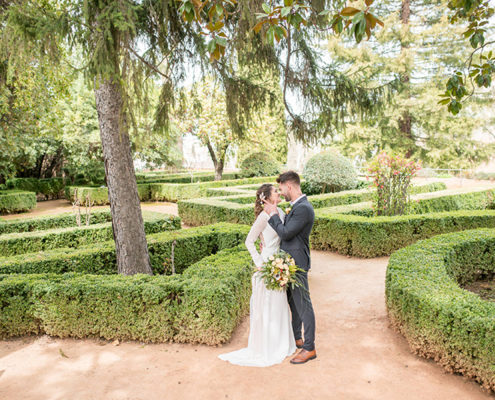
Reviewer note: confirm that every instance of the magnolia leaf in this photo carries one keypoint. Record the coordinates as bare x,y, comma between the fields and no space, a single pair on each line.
349,11
259,25
285,11
266,8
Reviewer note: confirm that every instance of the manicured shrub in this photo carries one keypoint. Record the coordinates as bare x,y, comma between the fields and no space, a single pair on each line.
381,236
30,242
485,176
99,258
175,192
438,318
99,195
239,208
40,223
331,172
14,201
45,189
259,164
203,305
184,177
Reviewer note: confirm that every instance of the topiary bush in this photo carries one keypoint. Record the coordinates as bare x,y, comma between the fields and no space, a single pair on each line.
329,171
40,223
438,318
239,208
202,305
259,164
45,189
99,258
14,201
29,242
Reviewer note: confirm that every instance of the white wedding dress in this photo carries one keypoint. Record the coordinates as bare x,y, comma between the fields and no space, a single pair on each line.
271,338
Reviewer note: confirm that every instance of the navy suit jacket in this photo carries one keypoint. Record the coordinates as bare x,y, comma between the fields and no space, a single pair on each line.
294,233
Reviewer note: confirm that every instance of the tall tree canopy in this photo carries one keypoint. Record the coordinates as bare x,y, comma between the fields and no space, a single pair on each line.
127,44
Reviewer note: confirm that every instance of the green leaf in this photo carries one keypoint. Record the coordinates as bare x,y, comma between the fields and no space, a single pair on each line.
349,11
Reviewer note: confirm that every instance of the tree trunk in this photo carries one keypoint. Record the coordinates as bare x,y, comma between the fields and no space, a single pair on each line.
218,162
405,121
127,220
219,170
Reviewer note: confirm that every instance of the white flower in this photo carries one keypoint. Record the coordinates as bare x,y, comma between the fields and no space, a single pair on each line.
271,258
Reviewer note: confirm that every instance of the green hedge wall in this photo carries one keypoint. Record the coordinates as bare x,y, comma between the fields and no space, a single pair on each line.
46,189
204,211
439,319
184,177
203,305
158,191
39,223
445,200
14,201
380,236
99,258
29,242
175,192
99,195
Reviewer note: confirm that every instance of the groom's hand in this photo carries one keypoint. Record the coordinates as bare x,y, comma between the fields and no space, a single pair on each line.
270,208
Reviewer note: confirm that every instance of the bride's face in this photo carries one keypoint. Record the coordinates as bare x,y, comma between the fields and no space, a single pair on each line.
275,196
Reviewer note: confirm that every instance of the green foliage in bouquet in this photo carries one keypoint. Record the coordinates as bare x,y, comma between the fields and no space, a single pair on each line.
279,271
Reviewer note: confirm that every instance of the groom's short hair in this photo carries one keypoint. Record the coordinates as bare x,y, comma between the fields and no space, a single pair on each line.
289,176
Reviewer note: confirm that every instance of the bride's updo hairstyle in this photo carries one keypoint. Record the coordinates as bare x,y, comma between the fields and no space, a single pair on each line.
264,192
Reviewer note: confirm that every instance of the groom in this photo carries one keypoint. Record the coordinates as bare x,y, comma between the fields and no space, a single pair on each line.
294,235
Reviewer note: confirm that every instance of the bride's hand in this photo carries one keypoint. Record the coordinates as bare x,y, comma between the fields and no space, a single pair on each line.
270,208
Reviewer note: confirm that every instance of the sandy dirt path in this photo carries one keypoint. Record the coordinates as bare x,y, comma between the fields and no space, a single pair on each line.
359,357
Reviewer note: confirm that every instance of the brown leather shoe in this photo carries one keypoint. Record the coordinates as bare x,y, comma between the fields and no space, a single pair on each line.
299,343
303,357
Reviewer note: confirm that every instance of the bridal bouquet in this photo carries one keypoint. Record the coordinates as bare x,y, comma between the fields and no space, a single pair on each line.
279,271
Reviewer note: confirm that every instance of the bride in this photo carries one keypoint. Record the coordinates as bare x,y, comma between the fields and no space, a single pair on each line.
271,337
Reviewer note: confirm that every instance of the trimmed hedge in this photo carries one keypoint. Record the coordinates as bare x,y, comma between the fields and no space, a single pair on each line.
184,177
99,195
445,200
175,191
46,189
40,223
239,208
14,201
203,305
380,236
159,191
20,243
99,258
353,230
439,319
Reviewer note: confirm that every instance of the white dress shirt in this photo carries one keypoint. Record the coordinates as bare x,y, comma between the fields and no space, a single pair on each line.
296,200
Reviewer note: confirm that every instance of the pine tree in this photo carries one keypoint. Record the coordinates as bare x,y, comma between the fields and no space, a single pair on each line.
420,48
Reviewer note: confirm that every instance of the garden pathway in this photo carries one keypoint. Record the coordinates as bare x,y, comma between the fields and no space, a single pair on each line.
359,357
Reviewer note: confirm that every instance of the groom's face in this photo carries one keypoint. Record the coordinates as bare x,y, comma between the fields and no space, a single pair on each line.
285,190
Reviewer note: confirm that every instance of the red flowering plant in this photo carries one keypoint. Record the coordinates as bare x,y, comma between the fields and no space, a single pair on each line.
392,178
